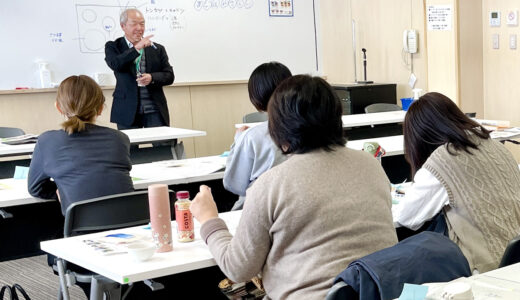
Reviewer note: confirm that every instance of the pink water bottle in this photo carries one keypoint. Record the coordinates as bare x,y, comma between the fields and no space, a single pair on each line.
160,217
184,218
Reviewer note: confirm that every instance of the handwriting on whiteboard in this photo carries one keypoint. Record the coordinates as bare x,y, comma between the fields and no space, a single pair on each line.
171,17
56,37
223,4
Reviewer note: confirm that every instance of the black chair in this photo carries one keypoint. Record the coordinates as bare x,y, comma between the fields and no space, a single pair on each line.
101,214
6,132
512,253
150,154
381,107
254,117
424,257
7,167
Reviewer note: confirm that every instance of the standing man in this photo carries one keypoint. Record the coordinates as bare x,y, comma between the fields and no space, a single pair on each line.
141,68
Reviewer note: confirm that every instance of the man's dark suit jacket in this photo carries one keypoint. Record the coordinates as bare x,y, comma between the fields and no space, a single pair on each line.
120,58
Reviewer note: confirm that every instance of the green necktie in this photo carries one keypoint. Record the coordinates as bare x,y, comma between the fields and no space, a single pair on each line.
138,61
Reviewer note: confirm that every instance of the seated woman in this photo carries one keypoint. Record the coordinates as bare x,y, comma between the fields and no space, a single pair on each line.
253,151
83,160
306,219
460,170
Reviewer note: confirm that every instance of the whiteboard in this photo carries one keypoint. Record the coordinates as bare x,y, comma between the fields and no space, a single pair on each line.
206,40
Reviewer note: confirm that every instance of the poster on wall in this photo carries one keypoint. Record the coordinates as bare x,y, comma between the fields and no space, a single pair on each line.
281,8
439,17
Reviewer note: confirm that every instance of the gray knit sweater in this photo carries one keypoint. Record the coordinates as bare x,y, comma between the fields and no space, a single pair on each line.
304,221
484,193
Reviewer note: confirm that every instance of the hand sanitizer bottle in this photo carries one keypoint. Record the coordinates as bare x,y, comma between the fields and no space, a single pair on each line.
45,75
416,93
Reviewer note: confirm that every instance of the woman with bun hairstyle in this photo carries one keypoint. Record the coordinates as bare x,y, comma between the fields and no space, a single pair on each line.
82,160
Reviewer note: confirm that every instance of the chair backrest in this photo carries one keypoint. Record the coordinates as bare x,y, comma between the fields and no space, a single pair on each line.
424,257
381,107
512,253
6,132
106,213
254,117
341,291
150,154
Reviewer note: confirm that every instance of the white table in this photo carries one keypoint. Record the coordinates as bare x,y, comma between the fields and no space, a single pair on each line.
178,171
154,134
393,145
123,269
14,191
136,136
503,283
361,119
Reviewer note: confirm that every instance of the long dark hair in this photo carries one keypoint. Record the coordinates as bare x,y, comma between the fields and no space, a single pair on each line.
435,120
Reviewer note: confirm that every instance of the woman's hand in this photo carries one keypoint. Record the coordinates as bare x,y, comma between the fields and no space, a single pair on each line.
203,206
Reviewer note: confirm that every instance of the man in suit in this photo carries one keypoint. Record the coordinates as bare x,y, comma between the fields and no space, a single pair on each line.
141,68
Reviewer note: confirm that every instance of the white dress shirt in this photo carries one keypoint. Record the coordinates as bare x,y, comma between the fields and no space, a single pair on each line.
130,45
423,200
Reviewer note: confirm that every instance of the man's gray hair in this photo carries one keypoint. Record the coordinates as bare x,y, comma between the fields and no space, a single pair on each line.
124,15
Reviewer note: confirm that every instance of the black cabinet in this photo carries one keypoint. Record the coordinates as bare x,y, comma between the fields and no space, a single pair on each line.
355,97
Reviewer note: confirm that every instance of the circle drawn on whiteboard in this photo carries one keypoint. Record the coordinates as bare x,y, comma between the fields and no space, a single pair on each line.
109,24
94,40
89,15
232,4
248,3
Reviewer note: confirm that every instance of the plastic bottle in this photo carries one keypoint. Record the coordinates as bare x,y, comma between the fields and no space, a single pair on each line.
416,94
184,218
45,75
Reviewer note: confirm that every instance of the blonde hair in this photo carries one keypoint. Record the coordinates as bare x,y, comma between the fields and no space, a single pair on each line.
79,99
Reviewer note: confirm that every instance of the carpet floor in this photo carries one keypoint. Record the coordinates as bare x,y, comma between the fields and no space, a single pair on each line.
36,277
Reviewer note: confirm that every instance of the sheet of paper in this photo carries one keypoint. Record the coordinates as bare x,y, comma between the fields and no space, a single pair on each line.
21,172
413,292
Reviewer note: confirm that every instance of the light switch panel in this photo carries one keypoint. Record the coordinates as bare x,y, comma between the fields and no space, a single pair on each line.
494,41
512,41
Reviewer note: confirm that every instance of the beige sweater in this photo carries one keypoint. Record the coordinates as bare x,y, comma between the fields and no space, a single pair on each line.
304,221
484,193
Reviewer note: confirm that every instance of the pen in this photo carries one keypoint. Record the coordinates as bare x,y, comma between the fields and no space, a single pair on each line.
153,45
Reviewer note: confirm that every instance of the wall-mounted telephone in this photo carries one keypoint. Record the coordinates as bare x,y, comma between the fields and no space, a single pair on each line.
410,41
